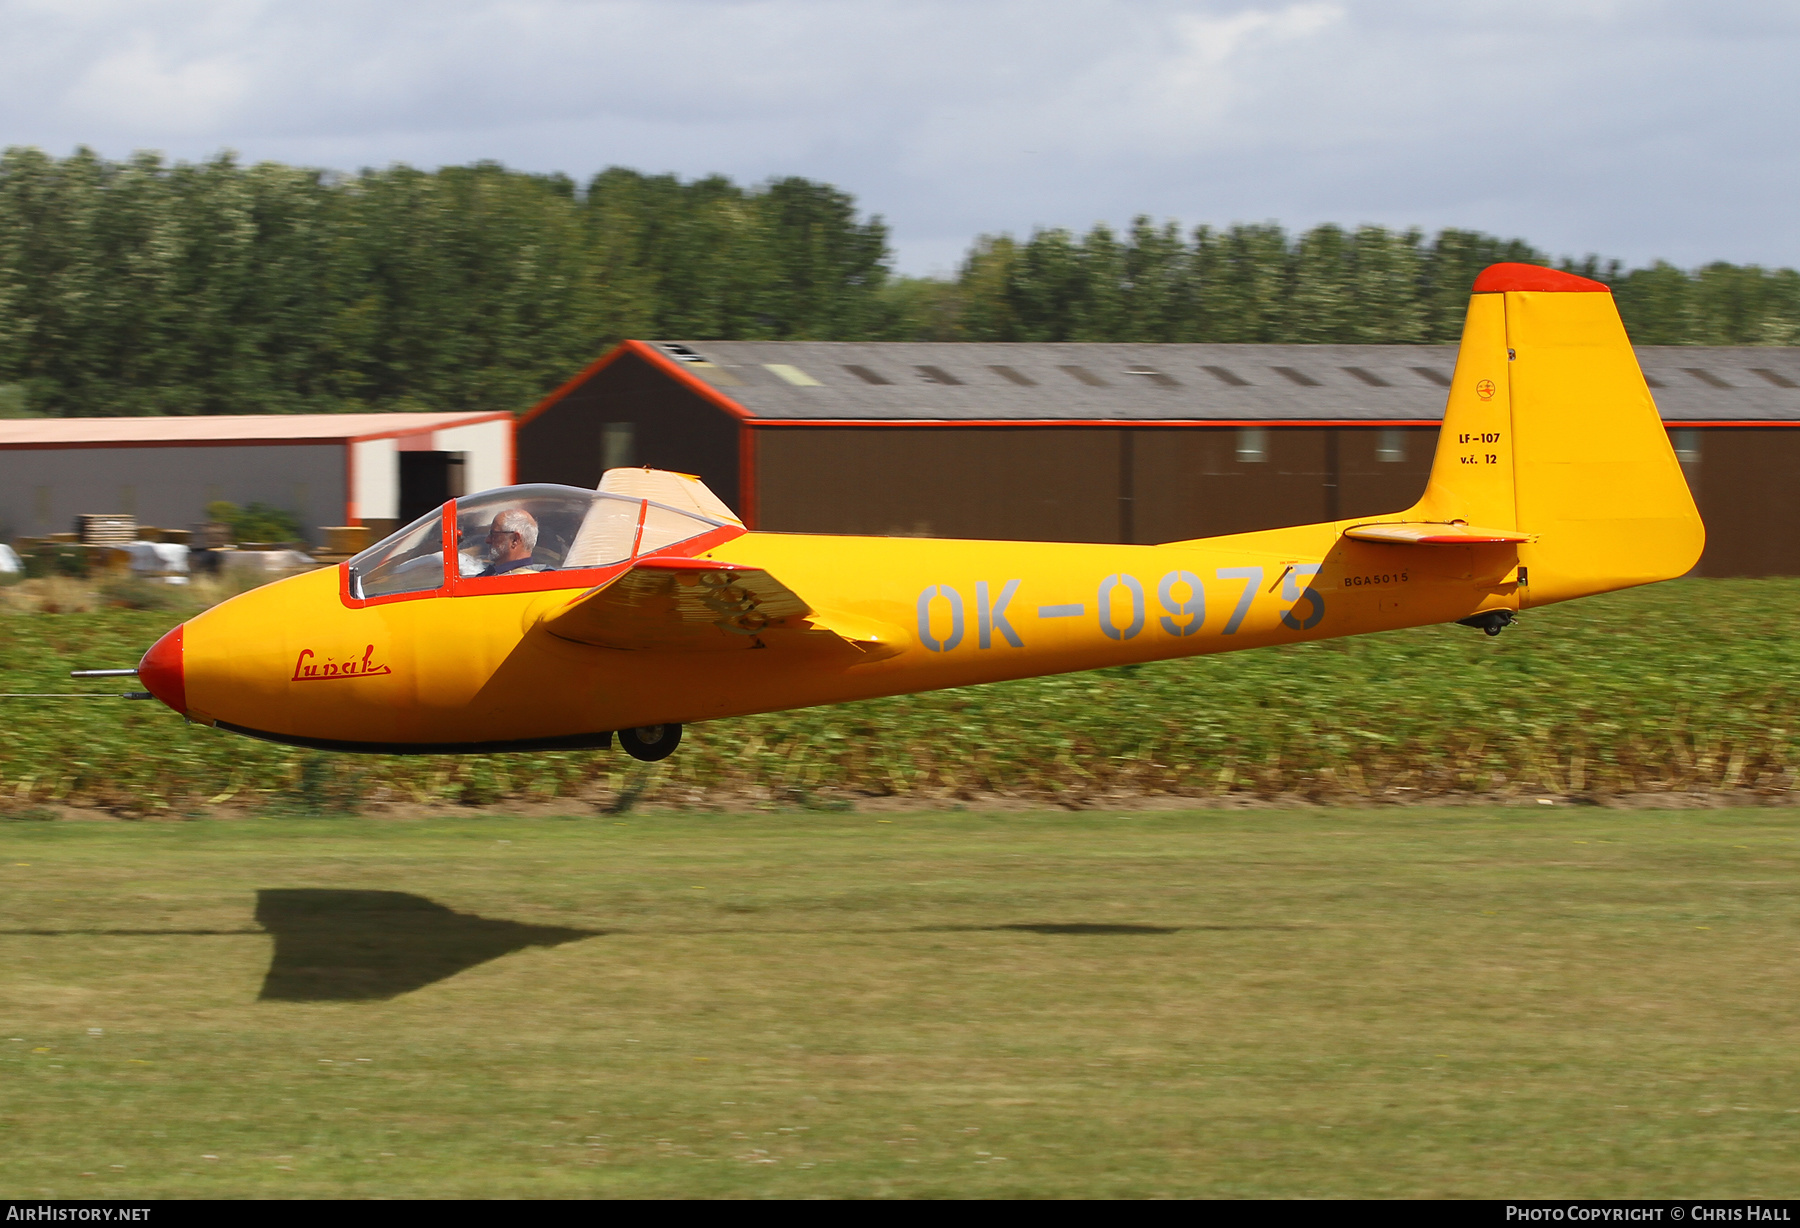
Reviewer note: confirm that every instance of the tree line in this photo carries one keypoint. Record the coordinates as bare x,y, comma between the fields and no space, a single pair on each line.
143,287
1257,283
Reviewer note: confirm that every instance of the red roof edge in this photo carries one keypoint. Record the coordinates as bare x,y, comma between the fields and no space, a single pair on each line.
694,382
652,355
577,380
402,433
1156,423
1500,277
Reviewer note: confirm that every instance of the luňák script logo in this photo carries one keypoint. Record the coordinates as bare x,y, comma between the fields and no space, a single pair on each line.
310,667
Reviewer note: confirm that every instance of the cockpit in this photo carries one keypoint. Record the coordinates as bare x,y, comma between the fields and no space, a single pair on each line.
522,538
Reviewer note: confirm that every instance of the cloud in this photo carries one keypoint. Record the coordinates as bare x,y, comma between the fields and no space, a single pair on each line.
1635,128
140,84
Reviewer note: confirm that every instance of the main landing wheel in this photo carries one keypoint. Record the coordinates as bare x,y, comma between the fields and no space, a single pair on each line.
650,742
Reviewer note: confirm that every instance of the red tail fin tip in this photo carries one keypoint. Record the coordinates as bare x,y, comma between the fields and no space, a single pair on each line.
1497,278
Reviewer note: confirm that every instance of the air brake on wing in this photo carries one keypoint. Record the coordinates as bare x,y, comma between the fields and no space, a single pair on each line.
686,604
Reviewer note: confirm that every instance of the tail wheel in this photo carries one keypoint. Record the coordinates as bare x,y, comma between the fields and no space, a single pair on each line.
1490,622
650,742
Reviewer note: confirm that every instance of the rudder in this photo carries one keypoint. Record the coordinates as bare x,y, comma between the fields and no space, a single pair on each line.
1550,429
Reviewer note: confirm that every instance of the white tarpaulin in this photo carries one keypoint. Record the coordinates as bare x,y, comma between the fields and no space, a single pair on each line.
154,557
264,560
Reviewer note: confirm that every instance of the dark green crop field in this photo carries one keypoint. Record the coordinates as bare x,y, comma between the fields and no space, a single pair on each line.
1686,686
1522,1001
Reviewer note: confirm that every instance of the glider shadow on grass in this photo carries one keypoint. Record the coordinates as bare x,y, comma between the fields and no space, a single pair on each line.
335,945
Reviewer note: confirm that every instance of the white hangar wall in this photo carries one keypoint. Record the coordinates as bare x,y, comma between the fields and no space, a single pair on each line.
376,464
488,448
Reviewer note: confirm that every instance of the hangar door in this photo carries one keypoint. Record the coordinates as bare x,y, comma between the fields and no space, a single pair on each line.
428,480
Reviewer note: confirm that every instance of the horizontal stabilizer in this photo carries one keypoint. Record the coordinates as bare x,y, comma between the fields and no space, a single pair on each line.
698,605
1432,533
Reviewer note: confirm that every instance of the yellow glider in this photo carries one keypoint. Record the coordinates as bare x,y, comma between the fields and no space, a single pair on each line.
645,605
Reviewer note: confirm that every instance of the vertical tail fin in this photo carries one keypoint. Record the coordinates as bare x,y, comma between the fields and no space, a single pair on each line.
1551,430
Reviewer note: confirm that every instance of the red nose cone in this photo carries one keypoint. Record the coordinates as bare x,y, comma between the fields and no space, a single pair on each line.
161,672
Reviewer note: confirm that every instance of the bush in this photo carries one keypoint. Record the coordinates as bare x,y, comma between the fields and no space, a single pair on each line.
48,559
257,523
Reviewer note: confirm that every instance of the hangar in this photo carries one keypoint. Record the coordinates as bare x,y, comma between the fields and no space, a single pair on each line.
378,470
1113,442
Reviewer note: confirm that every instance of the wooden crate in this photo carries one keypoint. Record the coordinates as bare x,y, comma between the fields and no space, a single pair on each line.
107,528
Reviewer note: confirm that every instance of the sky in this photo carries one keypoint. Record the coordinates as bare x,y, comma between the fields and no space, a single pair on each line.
1634,129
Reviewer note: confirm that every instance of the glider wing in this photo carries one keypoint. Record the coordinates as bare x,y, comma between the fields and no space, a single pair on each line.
698,605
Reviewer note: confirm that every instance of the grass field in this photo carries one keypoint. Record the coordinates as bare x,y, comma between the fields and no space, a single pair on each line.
1683,687
1528,1000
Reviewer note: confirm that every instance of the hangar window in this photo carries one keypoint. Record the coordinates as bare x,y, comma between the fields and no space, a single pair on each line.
1007,373
1252,444
937,375
1296,377
792,374
618,445
1434,375
1390,445
1706,377
1775,377
1368,377
866,375
1085,376
715,375
1227,376
1155,377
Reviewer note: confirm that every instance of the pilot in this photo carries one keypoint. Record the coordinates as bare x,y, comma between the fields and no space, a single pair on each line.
510,540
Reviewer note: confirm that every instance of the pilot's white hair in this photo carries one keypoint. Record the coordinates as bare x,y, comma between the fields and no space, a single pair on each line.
518,520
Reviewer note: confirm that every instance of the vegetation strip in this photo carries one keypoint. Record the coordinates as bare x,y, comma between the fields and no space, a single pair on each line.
1684,687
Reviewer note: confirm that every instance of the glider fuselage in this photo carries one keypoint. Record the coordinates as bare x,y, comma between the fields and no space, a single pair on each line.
295,661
